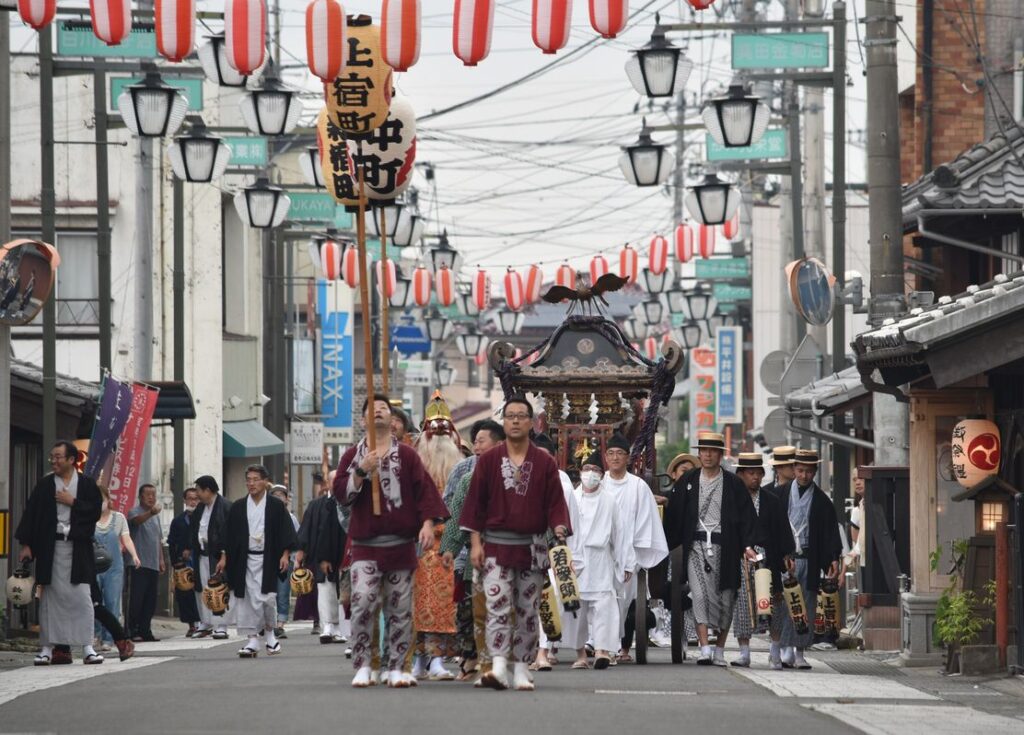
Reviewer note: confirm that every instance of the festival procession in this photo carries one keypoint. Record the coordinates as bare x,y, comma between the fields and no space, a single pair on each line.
602,364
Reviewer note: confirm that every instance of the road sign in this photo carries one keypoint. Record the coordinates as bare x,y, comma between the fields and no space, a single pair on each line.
722,268
307,442
248,150
728,292
192,88
75,38
409,339
780,50
774,144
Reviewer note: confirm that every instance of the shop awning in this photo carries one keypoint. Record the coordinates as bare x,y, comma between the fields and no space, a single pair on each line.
250,439
829,394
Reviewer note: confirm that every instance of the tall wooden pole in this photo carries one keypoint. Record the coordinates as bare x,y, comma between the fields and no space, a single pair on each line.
364,298
385,330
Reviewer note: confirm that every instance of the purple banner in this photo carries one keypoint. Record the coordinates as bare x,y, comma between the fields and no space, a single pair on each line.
115,407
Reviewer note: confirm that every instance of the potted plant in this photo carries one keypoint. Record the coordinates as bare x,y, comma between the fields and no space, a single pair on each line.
958,622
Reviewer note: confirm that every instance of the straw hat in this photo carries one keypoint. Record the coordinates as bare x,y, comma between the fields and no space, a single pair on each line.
710,440
750,461
783,455
806,456
679,459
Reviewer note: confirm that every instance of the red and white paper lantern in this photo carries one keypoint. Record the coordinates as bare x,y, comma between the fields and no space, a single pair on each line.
350,267
482,290
731,227
111,20
421,286
471,36
386,276
514,294
684,242
37,13
480,358
651,348
444,285
325,39
701,4
400,33
533,284
565,276
706,240
245,30
976,447
598,268
551,22
608,17
658,255
330,259
629,264
175,28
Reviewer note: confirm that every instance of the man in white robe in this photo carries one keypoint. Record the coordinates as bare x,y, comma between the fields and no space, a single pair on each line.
638,512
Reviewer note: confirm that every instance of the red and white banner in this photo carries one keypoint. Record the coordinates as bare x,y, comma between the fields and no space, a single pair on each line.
552,20
684,242
37,13
175,28
245,30
514,296
534,283
111,20
598,268
400,33
421,283
608,17
444,284
629,264
471,36
658,255
325,39
124,472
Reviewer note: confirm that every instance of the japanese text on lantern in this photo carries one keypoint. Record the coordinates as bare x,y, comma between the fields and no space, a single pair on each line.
358,99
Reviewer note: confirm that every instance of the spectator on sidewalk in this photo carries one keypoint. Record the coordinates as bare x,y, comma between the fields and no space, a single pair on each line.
147,533
112,533
179,539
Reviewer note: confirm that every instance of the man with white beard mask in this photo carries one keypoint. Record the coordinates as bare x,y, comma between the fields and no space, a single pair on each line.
606,561
642,526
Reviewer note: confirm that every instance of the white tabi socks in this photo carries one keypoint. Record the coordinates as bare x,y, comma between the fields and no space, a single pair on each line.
497,677
719,659
521,680
437,670
775,657
362,678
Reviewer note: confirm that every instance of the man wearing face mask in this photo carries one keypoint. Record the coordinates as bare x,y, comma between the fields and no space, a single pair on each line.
179,542
606,560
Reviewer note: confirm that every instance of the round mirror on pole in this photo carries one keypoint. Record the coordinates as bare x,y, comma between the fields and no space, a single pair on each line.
213,57
198,157
713,201
271,110
659,69
262,205
646,163
312,171
152,108
737,119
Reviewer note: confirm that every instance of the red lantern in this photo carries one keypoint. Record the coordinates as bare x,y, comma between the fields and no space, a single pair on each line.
350,267
245,30
482,290
706,241
651,348
330,259
386,278
551,22
701,4
175,28
471,35
975,451
37,13
421,283
658,255
444,284
514,296
400,33
534,283
565,276
325,39
629,264
598,268
608,17
731,227
684,243
111,20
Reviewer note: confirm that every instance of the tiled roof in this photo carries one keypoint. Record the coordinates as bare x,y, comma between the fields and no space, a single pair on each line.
29,377
826,394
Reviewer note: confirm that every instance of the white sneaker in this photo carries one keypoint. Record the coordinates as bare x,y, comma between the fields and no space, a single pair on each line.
362,678
438,672
521,680
497,677
743,662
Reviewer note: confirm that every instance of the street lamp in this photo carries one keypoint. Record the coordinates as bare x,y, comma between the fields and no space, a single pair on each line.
646,163
813,8
676,300
198,156
446,375
404,227
719,320
443,255
657,283
633,329
689,335
438,327
151,108
271,110
470,343
736,119
467,305
510,322
701,304
262,205
713,201
659,69
312,171
653,312
399,298
213,57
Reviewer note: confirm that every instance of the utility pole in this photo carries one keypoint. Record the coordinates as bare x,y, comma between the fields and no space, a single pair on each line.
99,89
891,418
791,326
814,184
48,215
5,235
673,427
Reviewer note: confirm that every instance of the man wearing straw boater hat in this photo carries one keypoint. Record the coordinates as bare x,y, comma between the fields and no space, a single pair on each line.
812,520
783,467
711,516
774,541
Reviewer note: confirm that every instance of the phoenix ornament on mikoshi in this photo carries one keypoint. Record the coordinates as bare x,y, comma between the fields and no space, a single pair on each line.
585,296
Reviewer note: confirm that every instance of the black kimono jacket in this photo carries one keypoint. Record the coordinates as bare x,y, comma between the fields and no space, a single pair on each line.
278,536
321,537
737,524
179,536
216,533
773,533
38,528
823,545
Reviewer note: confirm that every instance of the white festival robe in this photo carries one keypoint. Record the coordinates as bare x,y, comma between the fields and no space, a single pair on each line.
256,611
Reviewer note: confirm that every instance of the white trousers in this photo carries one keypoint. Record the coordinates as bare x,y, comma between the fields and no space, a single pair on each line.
327,607
256,611
599,620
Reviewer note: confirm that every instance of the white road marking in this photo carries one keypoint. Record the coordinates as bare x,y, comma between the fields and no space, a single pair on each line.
901,719
181,644
647,692
16,682
810,685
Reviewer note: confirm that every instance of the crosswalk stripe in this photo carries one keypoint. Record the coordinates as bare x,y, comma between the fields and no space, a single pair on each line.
28,679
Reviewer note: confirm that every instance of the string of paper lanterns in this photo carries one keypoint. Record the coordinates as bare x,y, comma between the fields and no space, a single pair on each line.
551,21
325,39
175,28
111,20
471,34
245,33
400,33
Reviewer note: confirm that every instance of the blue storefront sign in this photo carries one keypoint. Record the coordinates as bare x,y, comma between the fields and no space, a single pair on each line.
409,339
730,374
336,357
